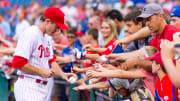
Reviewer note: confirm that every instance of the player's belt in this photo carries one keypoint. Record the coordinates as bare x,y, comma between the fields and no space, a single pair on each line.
36,80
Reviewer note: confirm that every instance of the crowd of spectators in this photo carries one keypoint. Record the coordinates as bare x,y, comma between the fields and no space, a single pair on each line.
148,31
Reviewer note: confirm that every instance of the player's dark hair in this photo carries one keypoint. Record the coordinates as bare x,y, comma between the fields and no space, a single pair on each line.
132,17
43,18
72,31
93,32
115,14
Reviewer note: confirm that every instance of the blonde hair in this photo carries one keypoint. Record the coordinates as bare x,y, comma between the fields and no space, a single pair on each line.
113,34
149,51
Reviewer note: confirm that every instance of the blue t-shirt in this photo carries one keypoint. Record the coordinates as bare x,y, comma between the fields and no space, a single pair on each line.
67,51
6,26
122,33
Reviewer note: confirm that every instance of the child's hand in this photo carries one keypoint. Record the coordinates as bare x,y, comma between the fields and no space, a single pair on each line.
109,66
75,69
99,68
92,74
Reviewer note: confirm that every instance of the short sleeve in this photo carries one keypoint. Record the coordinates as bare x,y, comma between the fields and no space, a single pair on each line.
131,46
26,44
153,42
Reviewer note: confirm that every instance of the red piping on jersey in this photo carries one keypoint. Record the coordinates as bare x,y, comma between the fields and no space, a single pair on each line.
19,62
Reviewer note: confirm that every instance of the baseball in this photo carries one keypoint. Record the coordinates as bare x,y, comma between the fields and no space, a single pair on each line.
92,80
78,55
7,76
103,58
72,80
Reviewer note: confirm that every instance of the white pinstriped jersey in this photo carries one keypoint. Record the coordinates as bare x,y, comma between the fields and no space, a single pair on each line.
36,47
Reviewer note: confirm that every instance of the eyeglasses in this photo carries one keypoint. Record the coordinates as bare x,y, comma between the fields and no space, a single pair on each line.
71,37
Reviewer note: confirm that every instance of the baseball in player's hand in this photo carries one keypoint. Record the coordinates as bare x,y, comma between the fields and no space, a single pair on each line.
71,75
46,73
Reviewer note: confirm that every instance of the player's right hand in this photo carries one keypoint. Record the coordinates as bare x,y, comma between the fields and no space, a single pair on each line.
46,73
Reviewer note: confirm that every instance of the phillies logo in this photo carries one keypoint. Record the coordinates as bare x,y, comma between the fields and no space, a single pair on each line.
44,50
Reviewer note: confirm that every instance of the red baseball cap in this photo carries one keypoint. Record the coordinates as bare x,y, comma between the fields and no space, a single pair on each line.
56,15
123,1
79,33
157,58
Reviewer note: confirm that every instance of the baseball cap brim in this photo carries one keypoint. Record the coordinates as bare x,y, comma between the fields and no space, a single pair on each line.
140,17
61,26
157,58
79,33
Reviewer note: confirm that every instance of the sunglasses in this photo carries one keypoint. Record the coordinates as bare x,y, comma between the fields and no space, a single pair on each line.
71,37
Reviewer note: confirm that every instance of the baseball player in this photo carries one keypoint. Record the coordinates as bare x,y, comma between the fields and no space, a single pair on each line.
35,60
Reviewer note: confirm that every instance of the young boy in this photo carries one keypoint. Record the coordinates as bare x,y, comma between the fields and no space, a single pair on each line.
165,90
73,43
92,39
132,26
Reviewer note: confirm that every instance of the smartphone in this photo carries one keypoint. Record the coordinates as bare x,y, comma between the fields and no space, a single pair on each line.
118,49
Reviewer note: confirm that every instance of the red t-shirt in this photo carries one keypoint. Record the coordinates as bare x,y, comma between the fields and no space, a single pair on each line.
165,90
157,57
149,81
110,46
168,32
89,62
63,41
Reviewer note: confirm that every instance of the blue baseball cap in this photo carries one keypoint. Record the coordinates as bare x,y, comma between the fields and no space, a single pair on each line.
175,12
82,32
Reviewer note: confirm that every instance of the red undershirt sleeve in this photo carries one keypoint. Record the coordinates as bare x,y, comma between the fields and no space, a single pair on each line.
19,62
53,59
